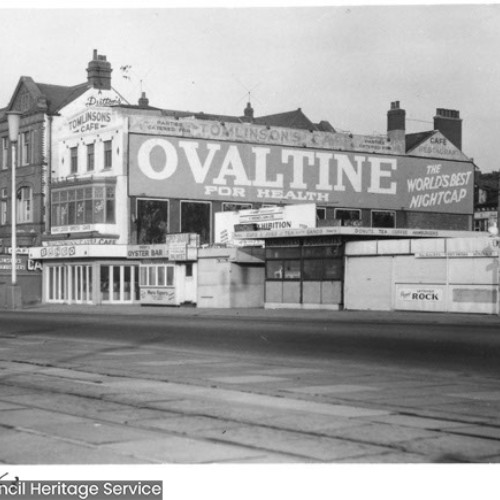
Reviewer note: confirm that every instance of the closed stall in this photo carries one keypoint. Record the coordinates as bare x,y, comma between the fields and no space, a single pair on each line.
368,283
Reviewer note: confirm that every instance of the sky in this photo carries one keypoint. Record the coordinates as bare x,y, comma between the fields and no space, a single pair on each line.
344,64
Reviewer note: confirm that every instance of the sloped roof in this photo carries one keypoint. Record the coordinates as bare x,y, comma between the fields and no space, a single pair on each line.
58,96
289,119
414,140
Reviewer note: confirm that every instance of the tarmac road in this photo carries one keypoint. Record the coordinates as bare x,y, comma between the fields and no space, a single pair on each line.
154,385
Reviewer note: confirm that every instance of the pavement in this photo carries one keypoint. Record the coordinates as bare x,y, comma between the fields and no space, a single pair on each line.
102,401
401,317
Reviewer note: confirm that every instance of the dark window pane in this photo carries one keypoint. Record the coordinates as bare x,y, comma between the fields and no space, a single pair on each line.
319,252
322,269
274,270
291,269
195,218
383,219
152,221
80,212
283,253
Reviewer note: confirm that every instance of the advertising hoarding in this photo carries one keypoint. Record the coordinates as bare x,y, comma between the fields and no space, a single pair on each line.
214,170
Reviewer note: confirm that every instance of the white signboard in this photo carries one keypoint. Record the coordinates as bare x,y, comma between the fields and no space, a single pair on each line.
410,297
77,251
161,296
262,219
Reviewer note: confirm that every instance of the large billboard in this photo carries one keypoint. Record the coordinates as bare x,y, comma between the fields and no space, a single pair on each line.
170,167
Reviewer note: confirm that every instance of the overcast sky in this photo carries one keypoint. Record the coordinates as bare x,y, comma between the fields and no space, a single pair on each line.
341,64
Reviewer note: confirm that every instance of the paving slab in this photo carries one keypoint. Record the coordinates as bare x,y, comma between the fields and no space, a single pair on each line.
332,389
308,447
184,450
29,418
381,434
247,379
190,424
96,432
417,422
20,448
463,447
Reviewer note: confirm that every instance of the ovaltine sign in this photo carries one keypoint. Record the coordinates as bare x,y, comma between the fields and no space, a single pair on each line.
207,169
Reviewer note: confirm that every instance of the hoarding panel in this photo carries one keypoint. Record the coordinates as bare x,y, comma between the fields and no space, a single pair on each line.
210,170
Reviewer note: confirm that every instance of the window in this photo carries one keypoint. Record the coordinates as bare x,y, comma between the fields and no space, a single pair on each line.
321,213
5,150
108,154
151,221
90,157
83,205
73,160
24,205
383,218
314,261
195,218
234,207
25,148
3,206
156,275
348,217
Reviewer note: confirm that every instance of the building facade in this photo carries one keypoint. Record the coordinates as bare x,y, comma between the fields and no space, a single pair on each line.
119,177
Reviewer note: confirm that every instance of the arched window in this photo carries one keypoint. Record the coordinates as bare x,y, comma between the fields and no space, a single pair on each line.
24,204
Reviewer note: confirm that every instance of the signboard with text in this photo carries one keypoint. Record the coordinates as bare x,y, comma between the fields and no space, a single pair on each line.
266,218
214,170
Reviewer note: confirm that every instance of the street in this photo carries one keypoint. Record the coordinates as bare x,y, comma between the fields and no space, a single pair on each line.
155,385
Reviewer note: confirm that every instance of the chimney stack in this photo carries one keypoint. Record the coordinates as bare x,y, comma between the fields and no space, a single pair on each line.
396,122
99,72
143,101
248,113
449,123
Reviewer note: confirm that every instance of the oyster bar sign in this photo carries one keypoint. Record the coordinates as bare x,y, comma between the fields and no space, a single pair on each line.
207,169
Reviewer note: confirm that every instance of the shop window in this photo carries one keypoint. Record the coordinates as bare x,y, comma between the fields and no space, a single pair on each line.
3,206
383,218
24,205
151,221
195,218
348,217
322,269
108,154
234,207
5,153
90,157
83,205
73,154
156,275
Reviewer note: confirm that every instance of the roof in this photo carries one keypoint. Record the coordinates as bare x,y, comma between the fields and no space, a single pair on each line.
289,119
414,140
58,96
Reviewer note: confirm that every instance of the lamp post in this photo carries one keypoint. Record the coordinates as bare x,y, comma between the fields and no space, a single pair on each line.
14,118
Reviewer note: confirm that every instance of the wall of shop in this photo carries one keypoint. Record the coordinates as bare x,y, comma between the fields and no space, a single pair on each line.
435,275
229,277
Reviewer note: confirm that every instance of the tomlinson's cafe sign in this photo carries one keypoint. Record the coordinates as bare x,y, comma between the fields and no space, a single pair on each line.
208,169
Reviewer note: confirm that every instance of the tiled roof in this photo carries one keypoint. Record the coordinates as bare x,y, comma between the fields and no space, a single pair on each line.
58,96
413,140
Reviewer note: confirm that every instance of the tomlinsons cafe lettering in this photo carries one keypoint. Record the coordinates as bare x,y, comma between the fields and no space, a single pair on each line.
231,177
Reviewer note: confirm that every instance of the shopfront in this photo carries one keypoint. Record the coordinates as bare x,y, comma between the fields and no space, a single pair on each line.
87,274
167,271
306,268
